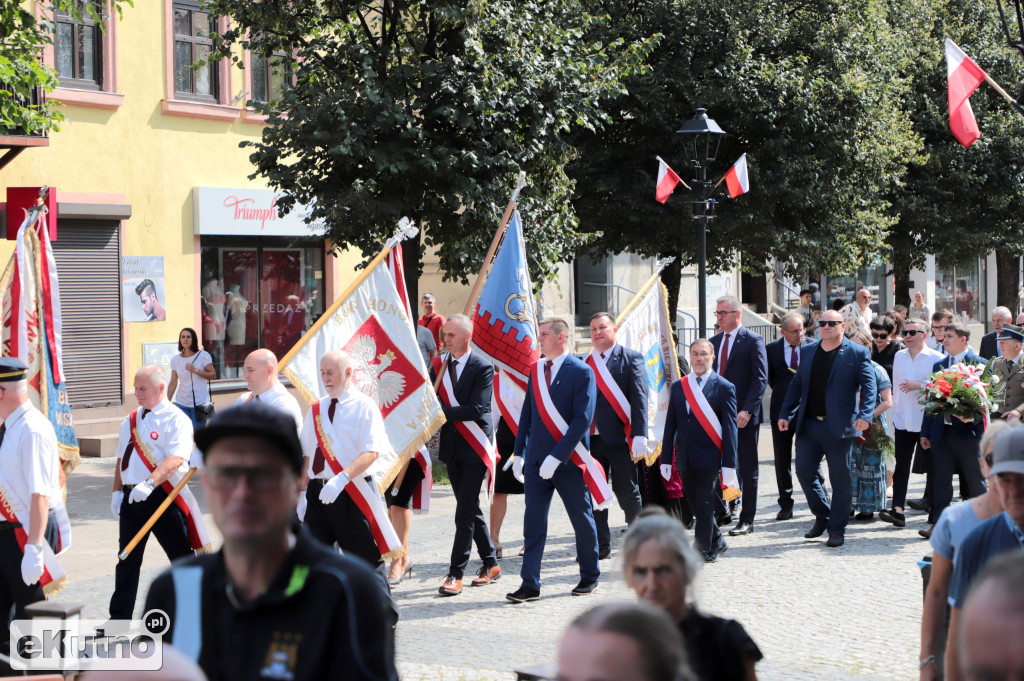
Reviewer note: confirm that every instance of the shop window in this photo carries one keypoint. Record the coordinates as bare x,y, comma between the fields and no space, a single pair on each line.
959,288
258,292
193,42
78,48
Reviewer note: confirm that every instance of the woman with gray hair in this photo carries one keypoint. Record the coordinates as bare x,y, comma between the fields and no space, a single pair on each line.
660,566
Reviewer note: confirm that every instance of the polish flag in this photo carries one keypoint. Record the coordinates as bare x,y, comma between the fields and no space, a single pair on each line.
964,78
736,178
667,181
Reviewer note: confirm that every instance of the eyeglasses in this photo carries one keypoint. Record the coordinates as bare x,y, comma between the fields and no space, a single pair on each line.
912,332
830,322
879,336
936,329
719,313
225,478
800,330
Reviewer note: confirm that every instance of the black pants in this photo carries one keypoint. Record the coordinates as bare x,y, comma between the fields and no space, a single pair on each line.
170,530
700,487
951,451
467,477
906,443
782,446
14,593
621,470
340,522
746,452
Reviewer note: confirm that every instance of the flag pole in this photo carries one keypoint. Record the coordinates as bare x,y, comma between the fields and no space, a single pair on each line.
662,264
681,181
405,229
1004,93
156,514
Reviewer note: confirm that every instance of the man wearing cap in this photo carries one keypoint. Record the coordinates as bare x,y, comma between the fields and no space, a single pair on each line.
29,491
998,535
153,448
273,602
1010,369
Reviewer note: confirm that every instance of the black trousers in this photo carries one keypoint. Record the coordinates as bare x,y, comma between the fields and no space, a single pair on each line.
467,477
947,454
620,468
14,593
170,530
782,449
700,487
746,452
906,443
341,522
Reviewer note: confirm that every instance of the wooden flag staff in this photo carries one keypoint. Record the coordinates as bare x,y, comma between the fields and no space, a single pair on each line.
156,514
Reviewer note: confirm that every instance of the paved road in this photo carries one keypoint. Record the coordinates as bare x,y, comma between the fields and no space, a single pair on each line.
816,613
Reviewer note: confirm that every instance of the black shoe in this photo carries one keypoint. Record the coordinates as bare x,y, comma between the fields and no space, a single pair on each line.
523,594
864,515
724,519
819,529
834,540
742,528
785,513
604,553
891,516
920,505
585,587
713,555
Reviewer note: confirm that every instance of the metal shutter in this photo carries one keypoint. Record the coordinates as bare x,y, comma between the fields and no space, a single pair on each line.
88,259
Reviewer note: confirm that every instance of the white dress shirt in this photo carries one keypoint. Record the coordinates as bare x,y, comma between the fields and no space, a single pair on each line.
165,430
357,427
29,463
907,414
703,383
556,364
278,397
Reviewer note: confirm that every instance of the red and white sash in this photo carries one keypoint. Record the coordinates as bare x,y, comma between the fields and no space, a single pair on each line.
507,401
198,537
593,473
11,510
701,408
421,495
473,434
362,493
613,393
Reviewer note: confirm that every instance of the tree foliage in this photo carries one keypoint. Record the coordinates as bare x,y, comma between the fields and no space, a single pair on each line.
430,110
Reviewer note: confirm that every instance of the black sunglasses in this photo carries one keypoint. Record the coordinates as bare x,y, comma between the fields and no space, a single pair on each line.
830,322
912,332
879,335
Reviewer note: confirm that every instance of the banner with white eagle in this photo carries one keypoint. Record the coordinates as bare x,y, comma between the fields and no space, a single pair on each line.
371,323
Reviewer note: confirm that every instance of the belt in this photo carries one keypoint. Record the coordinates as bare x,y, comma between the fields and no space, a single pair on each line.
323,481
8,525
127,488
818,418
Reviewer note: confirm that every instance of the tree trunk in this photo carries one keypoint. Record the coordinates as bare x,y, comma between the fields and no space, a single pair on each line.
670,277
901,281
1007,282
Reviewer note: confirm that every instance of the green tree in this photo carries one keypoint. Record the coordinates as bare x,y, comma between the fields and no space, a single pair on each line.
430,110
22,39
811,91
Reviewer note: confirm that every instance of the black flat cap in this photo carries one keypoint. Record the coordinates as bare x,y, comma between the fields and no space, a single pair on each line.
12,369
253,419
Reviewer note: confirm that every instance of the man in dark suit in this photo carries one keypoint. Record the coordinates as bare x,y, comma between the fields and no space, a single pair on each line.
989,343
608,441
467,449
704,446
542,457
823,410
953,443
783,361
740,359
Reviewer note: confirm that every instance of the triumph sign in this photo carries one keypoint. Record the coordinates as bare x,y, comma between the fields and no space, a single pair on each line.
247,212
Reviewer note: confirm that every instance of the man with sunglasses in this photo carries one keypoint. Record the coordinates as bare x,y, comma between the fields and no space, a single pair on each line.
273,602
823,408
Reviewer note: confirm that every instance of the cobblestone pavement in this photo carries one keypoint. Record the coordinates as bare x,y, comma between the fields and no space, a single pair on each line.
816,613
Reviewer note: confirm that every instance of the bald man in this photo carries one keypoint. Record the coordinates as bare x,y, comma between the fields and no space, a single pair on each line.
260,370
342,435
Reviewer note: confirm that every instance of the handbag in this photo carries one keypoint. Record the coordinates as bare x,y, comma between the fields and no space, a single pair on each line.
205,410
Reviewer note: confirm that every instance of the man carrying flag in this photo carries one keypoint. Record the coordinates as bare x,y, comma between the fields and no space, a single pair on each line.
551,456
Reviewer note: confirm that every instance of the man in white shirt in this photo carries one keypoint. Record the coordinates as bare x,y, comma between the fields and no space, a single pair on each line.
857,315
153,449
910,368
261,378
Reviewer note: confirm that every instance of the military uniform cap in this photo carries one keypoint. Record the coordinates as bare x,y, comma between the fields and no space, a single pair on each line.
12,369
1011,332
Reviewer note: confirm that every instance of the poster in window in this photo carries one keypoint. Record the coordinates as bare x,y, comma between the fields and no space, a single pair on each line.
142,288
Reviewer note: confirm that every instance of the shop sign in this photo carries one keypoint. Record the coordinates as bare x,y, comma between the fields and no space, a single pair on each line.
247,212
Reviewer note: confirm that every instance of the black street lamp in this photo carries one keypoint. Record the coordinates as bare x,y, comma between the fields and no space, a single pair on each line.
1018,43
702,137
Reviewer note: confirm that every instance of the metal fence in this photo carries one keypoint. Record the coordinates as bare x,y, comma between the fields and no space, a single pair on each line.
686,335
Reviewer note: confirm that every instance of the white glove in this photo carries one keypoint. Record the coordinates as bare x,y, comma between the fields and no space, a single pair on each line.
517,468
332,490
115,503
666,471
141,492
729,478
300,509
32,564
548,467
639,448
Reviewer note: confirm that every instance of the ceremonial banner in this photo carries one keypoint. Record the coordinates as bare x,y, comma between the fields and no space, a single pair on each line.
32,329
371,324
645,327
505,322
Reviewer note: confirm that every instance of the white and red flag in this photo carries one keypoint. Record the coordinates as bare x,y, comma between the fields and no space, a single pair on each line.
964,77
667,181
736,178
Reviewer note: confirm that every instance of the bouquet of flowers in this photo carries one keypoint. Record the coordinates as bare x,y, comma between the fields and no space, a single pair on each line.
875,437
966,391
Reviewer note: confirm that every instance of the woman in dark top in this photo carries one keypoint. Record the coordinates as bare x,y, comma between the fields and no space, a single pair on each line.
883,347
660,565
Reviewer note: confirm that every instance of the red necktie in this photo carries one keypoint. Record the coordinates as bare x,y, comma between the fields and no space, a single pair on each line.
724,359
793,363
547,372
318,459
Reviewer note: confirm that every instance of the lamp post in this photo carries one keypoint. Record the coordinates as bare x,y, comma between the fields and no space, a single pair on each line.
702,137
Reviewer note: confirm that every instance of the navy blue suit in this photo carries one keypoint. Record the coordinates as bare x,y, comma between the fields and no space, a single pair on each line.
466,469
954,447
747,369
779,378
989,347
698,458
573,392
609,445
852,375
